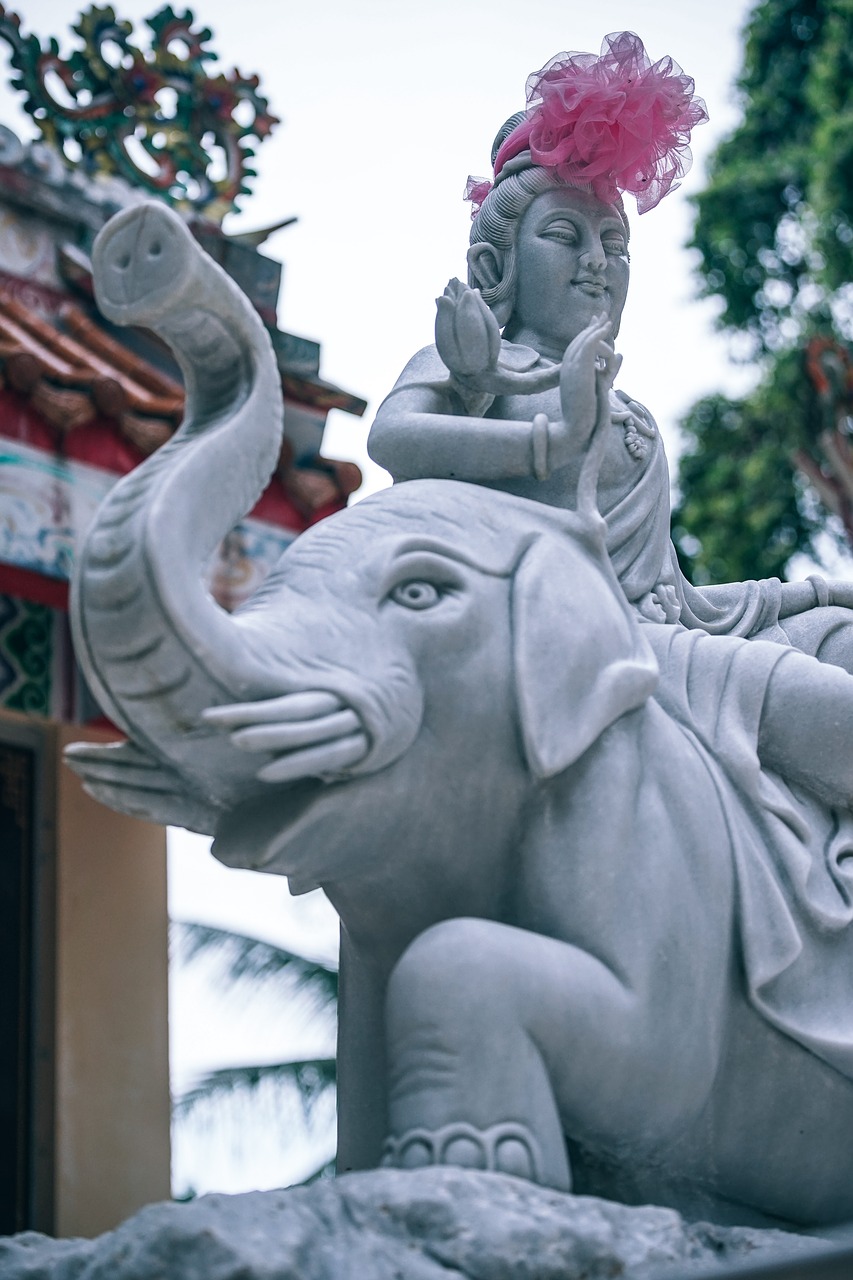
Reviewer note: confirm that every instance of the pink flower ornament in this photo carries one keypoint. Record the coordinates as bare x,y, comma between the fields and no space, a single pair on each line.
618,122
476,190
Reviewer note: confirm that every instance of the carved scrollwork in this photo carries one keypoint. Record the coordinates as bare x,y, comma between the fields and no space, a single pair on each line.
156,118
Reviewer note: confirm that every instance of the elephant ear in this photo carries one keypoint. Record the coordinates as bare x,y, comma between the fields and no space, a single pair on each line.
580,658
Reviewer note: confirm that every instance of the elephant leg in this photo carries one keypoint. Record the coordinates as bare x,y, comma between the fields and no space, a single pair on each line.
480,1020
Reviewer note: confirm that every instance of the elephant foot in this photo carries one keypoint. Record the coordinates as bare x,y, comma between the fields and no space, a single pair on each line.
502,1148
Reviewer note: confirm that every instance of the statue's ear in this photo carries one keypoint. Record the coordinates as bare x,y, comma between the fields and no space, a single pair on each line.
486,264
580,658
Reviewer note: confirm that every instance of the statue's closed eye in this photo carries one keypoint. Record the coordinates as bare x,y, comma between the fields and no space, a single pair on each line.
561,230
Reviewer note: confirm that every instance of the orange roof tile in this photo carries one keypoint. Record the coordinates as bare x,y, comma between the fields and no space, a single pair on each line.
71,363
94,339
77,375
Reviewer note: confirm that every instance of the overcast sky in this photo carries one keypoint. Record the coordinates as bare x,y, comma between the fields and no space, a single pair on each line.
387,107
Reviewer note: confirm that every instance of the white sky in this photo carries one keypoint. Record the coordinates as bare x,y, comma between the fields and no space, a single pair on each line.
386,108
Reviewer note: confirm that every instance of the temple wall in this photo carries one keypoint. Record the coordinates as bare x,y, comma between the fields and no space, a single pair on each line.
99,1090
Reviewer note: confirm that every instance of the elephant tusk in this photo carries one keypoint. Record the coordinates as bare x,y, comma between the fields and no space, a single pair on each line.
290,706
300,733
317,733
320,761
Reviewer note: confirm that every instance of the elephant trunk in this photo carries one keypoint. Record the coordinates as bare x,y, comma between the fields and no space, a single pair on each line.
154,646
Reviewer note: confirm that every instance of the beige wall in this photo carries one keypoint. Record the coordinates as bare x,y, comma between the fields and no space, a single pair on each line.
103,1055
112,1064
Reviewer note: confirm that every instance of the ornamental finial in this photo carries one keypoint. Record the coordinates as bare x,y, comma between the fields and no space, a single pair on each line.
154,117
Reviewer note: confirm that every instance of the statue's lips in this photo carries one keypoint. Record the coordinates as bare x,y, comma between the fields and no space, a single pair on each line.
594,288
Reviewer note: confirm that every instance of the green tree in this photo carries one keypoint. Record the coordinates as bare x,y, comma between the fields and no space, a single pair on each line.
239,961
761,477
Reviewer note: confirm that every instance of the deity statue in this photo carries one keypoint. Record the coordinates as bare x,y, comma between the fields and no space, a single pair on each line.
549,263
589,830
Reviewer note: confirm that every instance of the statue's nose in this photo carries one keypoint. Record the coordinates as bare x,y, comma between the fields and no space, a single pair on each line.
593,259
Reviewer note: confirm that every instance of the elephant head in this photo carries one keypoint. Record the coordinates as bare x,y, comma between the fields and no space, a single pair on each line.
431,652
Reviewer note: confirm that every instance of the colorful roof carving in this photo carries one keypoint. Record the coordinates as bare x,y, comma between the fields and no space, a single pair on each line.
79,372
75,375
154,117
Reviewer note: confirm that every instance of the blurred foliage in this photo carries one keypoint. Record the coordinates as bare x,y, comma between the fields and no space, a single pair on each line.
240,960
774,226
309,1077
244,957
744,509
774,233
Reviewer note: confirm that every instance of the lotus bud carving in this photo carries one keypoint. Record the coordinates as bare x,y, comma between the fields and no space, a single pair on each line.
466,333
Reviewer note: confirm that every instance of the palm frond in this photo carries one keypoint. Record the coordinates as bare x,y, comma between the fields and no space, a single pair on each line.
243,957
311,1078
291,1103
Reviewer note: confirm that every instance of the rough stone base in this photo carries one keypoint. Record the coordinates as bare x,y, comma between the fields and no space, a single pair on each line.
433,1224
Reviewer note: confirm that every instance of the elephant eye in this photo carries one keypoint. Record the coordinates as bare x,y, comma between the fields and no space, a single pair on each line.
416,594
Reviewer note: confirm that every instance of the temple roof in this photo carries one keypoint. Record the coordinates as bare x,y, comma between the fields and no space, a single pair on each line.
109,397
72,371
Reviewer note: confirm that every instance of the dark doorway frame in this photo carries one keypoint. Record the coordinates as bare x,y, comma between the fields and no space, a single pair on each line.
27,954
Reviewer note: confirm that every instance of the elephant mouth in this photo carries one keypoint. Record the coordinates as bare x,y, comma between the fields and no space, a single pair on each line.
267,832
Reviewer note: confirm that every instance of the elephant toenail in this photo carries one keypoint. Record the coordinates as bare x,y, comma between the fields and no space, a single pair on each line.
464,1152
512,1156
416,1154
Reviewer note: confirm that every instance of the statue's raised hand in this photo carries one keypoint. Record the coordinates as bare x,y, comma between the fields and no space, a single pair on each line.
587,373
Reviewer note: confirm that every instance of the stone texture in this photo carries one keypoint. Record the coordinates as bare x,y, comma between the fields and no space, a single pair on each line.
432,1224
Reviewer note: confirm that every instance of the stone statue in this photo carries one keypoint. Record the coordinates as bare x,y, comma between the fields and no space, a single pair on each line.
594,865
549,255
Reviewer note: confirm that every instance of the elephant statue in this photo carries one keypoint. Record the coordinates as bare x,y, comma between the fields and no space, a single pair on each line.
595,911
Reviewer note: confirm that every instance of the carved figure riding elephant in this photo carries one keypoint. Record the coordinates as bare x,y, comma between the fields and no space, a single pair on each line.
596,892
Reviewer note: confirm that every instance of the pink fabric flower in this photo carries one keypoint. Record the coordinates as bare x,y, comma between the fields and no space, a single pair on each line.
476,190
618,121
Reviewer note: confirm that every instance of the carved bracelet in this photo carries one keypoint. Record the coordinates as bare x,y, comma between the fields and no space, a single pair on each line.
539,441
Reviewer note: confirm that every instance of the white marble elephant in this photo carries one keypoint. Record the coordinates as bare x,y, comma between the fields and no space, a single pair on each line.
596,901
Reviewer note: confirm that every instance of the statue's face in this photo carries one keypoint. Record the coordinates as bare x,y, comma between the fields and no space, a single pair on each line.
572,259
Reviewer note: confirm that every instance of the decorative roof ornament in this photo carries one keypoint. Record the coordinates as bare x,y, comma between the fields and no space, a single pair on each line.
158,119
